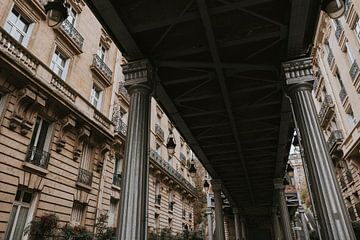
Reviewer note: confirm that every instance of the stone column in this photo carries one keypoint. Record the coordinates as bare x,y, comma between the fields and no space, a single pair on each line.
133,201
219,219
284,214
334,219
208,213
243,229
276,224
303,222
237,224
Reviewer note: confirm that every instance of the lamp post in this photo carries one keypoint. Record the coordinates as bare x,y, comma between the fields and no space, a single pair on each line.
334,8
171,144
56,12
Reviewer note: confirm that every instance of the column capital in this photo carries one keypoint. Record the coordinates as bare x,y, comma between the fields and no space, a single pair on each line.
279,184
138,73
216,185
298,71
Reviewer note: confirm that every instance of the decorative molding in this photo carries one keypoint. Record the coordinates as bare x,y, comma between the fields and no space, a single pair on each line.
81,196
83,134
138,72
78,5
299,70
27,105
105,39
66,124
31,9
104,148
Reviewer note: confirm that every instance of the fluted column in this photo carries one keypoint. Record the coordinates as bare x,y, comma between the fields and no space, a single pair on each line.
219,218
133,205
333,216
284,214
208,213
276,224
243,228
237,224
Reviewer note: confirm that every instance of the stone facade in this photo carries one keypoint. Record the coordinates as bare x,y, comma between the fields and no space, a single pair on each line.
61,141
336,94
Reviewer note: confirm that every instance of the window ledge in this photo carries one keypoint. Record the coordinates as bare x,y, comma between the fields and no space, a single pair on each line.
35,168
81,185
115,187
157,205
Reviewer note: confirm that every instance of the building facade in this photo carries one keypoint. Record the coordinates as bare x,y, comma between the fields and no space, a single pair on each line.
63,114
336,93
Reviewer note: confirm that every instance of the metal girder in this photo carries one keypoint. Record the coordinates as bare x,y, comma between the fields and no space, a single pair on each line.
269,117
221,79
185,80
225,134
194,15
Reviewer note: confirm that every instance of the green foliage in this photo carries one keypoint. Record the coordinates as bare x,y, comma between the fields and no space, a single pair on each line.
43,228
103,232
356,227
76,233
166,234
314,235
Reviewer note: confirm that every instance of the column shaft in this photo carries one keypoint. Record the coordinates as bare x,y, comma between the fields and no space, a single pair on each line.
276,225
219,219
210,224
237,224
334,218
284,214
133,201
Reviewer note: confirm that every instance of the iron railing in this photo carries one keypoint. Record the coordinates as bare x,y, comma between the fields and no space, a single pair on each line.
336,137
347,6
339,30
123,91
117,179
38,157
72,33
354,70
349,176
101,66
120,127
158,131
342,94
330,57
170,170
158,199
326,104
342,182
85,177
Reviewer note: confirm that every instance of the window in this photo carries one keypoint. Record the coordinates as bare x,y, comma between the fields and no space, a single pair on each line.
77,213
351,117
95,98
171,200
72,16
118,171
157,193
24,201
114,207
39,143
338,78
59,64
18,27
349,53
158,149
357,29
170,223
101,52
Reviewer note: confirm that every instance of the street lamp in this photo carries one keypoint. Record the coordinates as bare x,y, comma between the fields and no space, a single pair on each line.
192,169
170,145
206,185
334,8
290,171
56,12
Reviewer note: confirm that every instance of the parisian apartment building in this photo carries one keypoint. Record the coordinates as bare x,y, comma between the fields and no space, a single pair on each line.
336,92
63,116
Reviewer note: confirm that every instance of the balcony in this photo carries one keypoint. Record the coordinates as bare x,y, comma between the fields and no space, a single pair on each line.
38,157
120,127
158,199
335,139
326,111
159,132
84,178
348,4
340,36
331,60
343,97
339,30
342,182
168,169
123,92
349,176
102,70
355,75
72,36
117,179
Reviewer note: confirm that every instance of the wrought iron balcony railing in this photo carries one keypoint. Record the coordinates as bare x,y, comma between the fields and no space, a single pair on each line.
347,6
354,71
342,94
72,33
342,182
330,57
85,177
38,157
170,170
159,132
158,199
336,138
100,66
326,110
339,30
123,91
120,127
117,179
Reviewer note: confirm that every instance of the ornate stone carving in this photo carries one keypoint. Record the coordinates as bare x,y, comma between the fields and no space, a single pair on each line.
67,123
83,134
104,148
27,104
298,71
105,39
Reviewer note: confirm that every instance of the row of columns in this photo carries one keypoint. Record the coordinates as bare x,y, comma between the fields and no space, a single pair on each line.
334,220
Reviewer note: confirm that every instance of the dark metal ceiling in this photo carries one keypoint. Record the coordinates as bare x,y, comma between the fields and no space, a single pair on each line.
219,79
